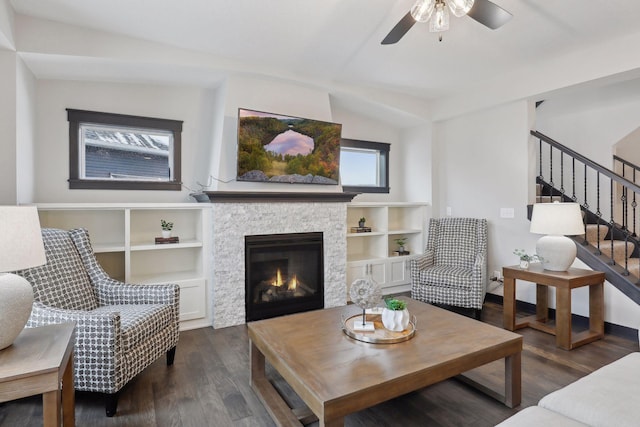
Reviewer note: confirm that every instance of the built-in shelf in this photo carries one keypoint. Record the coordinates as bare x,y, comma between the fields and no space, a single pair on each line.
123,239
372,253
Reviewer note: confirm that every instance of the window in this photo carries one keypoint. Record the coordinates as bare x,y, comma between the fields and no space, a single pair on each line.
364,166
120,152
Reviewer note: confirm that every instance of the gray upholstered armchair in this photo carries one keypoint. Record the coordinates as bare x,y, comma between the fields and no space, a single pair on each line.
453,269
120,328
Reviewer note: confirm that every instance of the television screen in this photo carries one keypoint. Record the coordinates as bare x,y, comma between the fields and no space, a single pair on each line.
277,148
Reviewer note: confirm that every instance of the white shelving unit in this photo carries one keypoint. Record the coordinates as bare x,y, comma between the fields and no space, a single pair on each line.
373,252
123,238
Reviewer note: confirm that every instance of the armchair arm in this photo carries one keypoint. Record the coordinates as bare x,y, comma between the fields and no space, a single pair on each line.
111,292
479,270
421,262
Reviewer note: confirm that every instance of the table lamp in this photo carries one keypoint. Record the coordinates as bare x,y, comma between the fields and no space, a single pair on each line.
556,220
21,247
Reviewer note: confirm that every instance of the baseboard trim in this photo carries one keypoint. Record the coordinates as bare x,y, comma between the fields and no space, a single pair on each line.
582,321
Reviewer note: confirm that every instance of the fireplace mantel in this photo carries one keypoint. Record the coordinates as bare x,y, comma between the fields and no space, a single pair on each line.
277,196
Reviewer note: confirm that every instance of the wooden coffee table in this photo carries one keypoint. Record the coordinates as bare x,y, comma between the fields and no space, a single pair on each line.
336,375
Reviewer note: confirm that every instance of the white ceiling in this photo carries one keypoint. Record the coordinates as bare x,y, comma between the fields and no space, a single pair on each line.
337,42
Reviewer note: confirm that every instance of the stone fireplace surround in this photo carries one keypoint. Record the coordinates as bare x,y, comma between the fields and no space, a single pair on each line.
237,214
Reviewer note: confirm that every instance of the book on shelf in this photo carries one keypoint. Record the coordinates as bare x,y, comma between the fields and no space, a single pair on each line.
401,253
361,229
165,240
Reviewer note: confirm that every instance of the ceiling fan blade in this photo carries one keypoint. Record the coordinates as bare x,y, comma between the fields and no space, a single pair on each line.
400,29
489,14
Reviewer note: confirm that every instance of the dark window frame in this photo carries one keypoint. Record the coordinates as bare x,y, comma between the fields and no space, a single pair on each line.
76,117
384,149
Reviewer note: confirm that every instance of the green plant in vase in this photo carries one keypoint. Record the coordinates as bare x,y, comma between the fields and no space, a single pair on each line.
395,316
166,228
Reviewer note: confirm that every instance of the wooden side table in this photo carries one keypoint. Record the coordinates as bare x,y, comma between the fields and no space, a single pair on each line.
564,282
40,360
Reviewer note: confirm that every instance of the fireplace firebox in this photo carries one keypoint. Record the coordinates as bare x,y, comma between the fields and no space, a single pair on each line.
284,274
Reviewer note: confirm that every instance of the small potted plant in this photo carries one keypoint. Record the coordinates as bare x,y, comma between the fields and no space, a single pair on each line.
166,228
525,258
401,241
361,222
395,316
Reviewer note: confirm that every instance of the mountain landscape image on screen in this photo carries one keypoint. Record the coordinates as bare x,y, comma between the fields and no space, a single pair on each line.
277,148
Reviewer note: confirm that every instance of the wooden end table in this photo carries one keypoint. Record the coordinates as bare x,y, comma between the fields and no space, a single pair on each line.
564,282
40,360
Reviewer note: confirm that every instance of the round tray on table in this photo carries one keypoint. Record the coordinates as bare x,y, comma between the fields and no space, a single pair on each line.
380,335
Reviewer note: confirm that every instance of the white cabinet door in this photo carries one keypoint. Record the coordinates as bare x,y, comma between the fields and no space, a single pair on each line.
399,271
359,270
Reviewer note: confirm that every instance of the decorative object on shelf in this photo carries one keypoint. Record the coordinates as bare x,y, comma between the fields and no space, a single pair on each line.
395,316
361,222
401,251
22,248
556,220
166,240
525,258
361,229
166,228
400,241
365,293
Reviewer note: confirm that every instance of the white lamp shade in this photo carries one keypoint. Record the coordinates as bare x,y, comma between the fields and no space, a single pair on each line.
21,248
21,245
559,219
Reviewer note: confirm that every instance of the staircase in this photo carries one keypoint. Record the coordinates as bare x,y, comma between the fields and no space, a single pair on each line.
610,211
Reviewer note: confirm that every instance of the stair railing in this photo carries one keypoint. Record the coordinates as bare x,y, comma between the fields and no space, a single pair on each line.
590,183
631,172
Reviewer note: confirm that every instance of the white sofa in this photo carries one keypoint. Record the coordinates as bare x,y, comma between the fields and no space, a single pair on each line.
609,396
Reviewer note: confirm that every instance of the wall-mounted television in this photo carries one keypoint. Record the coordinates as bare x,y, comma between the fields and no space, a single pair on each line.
278,148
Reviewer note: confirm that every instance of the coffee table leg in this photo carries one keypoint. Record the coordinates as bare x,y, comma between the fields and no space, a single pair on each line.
257,364
513,380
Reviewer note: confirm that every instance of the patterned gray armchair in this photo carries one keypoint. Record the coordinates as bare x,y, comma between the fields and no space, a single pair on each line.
120,328
453,269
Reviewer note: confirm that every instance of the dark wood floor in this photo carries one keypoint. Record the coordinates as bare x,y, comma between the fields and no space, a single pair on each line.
209,386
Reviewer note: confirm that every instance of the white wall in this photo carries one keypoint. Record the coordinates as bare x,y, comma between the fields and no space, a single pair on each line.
25,133
52,133
8,170
481,165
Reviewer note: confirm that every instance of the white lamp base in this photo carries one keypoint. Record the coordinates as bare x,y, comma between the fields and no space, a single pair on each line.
16,300
557,252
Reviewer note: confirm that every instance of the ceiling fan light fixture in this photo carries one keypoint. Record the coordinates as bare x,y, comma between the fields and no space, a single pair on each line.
440,20
422,10
460,7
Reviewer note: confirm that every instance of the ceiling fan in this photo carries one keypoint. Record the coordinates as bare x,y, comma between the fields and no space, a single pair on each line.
435,11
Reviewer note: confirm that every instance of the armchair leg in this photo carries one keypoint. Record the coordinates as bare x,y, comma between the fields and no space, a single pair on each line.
111,404
171,354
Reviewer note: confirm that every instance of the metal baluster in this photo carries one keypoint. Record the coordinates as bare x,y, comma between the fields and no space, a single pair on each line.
551,186
598,214
573,179
586,204
624,216
561,176
634,205
540,176
611,222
